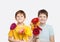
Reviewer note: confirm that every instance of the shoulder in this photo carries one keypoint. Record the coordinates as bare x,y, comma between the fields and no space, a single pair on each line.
50,27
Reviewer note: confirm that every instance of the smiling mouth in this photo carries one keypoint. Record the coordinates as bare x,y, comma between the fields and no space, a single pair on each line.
42,20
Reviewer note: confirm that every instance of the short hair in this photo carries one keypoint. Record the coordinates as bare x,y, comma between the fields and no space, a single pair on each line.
20,11
42,11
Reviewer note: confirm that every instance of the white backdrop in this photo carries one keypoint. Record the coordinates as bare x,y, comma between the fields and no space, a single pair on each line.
31,7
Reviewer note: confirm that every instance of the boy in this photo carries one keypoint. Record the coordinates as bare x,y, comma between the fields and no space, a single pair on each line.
46,34
15,35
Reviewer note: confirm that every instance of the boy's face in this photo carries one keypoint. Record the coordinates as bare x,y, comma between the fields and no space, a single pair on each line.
20,18
43,18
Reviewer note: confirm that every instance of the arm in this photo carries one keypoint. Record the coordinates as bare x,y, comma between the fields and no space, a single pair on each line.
11,39
30,39
11,36
36,38
51,34
52,39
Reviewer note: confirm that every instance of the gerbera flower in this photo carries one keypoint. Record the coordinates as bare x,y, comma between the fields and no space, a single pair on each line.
13,26
36,31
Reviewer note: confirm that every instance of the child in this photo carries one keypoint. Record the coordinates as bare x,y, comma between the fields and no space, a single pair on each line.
15,35
46,34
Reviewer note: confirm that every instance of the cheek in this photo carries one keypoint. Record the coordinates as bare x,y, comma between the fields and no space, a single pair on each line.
17,18
22,17
43,20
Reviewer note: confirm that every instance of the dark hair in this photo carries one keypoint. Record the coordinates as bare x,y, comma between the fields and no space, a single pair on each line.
42,11
20,11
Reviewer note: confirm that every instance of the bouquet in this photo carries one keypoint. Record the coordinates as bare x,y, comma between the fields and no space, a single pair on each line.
20,31
35,26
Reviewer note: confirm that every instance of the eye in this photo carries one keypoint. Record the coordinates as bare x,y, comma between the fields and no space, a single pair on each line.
21,16
17,16
44,16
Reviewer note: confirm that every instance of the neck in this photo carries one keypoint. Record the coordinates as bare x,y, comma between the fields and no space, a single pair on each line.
20,23
41,24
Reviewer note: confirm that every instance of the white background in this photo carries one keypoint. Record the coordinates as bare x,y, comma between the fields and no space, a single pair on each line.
31,7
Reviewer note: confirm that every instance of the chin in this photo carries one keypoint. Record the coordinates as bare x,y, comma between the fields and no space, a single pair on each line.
42,22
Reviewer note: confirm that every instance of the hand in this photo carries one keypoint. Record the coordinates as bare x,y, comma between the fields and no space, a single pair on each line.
22,40
37,40
16,41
